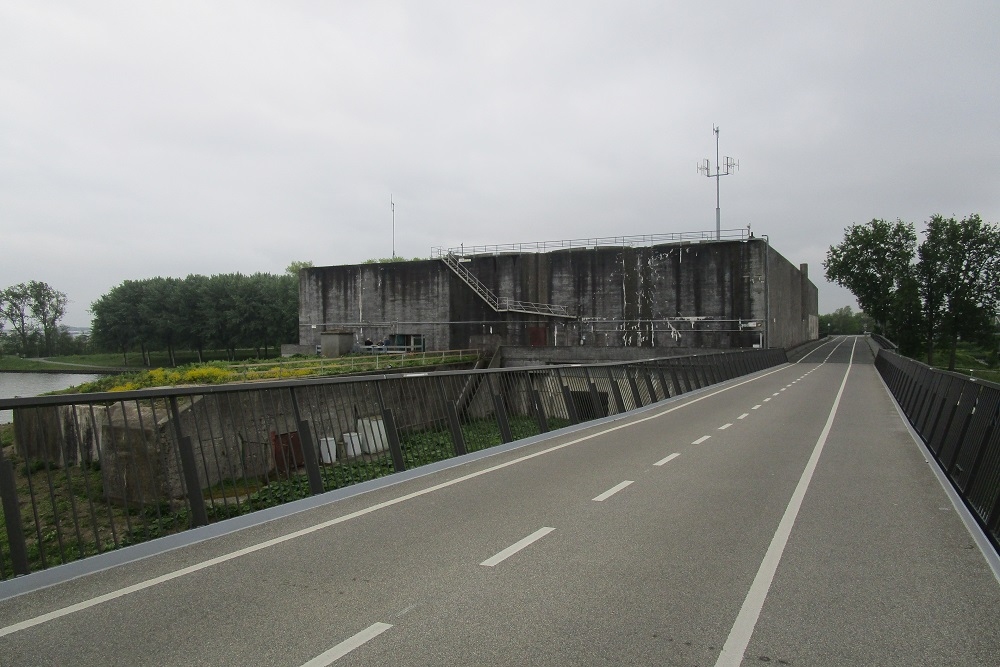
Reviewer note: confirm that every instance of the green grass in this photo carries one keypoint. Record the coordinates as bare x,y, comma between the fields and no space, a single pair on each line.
221,372
104,361
971,360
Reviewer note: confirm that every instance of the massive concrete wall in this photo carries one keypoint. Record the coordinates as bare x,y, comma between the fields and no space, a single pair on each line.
717,295
793,305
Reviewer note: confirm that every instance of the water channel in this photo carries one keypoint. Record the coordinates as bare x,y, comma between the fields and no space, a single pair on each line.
13,385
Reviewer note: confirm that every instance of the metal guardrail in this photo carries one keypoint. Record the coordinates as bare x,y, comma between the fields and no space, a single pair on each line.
95,472
593,242
956,417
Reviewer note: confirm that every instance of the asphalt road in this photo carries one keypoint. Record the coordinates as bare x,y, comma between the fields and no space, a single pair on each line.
783,518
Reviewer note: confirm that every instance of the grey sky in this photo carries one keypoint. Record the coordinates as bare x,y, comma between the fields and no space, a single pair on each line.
145,139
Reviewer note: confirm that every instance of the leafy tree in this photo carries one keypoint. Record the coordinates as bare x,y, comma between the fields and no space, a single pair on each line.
116,319
873,261
845,321
161,312
47,307
296,266
959,270
16,304
225,311
192,330
908,317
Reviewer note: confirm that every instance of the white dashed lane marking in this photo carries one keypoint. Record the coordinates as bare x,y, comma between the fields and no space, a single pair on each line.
517,546
667,459
343,648
612,491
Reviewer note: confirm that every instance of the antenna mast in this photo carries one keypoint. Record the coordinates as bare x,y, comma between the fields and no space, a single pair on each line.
392,205
729,166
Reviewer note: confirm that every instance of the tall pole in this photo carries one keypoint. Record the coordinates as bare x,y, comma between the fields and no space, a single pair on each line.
718,209
721,169
392,205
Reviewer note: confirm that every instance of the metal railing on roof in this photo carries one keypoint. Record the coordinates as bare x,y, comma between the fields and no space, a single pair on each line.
592,242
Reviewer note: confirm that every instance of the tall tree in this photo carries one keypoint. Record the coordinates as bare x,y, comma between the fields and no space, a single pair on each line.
873,261
16,304
959,270
47,306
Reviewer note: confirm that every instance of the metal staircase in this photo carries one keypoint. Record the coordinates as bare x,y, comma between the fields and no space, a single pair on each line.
499,303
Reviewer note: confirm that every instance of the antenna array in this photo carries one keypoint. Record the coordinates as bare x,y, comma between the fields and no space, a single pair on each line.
727,166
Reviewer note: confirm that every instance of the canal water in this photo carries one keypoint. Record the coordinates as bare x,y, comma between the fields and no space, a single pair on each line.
34,384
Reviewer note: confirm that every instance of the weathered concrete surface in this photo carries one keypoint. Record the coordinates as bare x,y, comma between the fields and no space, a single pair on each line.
718,294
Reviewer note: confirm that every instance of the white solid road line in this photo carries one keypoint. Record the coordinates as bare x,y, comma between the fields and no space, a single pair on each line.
667,459
739,637
348,645
701,440
517,546
612,491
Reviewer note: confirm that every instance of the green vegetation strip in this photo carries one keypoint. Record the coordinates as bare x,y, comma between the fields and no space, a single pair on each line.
221,372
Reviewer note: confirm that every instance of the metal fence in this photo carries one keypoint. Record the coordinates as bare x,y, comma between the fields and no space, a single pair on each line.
91,473
956,417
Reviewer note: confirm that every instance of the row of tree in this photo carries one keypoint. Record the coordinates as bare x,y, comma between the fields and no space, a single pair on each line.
844,321
225,311
923,296
32,310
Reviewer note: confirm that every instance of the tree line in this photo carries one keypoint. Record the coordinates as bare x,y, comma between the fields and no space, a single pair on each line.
928,296
223,312
844,321
33,311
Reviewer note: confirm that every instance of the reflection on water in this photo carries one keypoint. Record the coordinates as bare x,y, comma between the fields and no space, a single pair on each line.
33,384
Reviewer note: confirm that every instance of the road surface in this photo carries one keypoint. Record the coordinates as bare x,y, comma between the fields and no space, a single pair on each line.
786,518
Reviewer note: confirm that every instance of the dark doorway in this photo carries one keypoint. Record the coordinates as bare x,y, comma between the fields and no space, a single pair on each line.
538,336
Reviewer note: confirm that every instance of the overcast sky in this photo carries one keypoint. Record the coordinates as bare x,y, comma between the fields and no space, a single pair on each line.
142,139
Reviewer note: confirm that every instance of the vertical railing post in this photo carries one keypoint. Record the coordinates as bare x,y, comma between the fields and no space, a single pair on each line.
393,436
616,391
457,438
308,450
12,518
568,399
500,410
595,399
633,387
536,399
648,375
454,424
189,468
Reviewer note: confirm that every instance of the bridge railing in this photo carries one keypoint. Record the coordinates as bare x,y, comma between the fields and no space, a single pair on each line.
90,473
956,416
